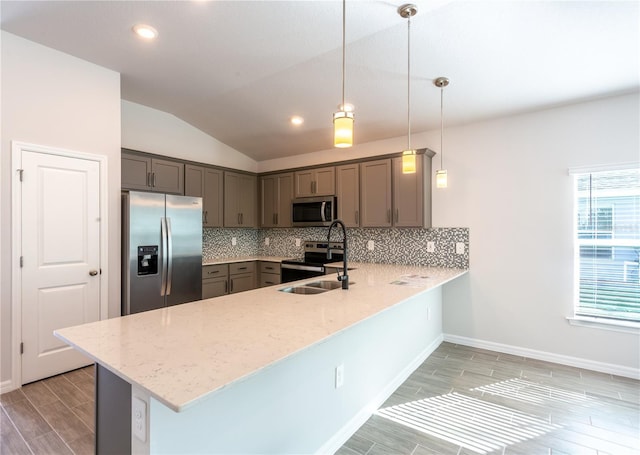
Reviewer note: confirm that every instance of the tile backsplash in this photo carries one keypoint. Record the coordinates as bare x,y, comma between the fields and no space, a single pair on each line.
391,245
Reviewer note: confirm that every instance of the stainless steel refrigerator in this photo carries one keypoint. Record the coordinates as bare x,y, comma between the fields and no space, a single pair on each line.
161,250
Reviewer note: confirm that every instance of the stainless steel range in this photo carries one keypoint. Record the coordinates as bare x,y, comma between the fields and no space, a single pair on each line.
315,257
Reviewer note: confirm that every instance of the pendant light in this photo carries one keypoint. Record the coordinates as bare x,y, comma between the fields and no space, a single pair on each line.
343,119
441,174
408,155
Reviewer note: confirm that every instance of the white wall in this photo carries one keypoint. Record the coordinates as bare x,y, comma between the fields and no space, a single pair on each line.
50,98
508,183
153,131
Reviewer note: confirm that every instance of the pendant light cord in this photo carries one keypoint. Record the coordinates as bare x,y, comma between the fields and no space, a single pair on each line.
344,27
409,82
441,126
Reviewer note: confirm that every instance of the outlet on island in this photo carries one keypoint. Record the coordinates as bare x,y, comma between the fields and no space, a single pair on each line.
339,376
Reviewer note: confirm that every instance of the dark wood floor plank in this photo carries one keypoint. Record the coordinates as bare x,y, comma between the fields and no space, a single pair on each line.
48,444
68,393
39,394
27,420
11,442
85,445
64,422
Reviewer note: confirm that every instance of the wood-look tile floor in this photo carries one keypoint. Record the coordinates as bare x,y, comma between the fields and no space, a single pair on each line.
467,401
511,405
52,416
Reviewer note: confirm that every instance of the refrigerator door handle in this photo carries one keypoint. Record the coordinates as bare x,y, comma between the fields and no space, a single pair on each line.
169,256
163,248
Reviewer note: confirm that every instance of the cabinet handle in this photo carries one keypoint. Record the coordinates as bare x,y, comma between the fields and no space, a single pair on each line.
231,285
388,215
212,272
206,217
276,219
238,218
242,218
242,268
269,282
357,217
226,287
148,178
397,215
153,179
269,268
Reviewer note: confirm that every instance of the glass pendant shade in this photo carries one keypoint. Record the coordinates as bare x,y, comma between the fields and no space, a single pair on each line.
409,162
343,129
441,178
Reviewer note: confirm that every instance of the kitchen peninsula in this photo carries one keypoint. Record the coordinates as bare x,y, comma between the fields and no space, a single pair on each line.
255,372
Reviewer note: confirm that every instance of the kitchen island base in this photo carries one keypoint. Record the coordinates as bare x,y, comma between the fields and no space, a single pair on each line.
293,406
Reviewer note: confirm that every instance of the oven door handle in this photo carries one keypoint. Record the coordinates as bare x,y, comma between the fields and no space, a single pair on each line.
309,268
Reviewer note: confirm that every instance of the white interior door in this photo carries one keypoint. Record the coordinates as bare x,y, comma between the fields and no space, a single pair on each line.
61,258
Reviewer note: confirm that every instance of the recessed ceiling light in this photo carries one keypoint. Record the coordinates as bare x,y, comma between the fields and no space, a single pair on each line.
145,31
296,120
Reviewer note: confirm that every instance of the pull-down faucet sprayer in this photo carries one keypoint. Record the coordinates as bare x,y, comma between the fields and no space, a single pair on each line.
344,278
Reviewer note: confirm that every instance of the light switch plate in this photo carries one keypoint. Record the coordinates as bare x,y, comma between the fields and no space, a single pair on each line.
459,248
431,247
266,241
298,242
139,418
371,245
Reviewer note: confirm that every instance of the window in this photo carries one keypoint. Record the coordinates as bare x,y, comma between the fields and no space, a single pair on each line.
607,244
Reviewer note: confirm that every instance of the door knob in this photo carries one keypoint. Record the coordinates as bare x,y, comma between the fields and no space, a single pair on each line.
93,272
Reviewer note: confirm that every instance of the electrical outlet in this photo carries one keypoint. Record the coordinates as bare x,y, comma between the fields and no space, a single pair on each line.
459,248
234,241
428,314
266,241
371,245
431,247
339,376
298,242
139,418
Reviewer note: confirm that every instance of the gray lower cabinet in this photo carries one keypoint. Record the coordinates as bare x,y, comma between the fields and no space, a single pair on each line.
242,276
215,280
207,183
141,172
269,273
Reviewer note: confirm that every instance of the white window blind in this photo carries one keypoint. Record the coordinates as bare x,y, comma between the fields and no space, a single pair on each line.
607,244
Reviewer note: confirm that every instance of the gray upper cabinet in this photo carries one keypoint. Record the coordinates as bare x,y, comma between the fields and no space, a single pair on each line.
348,194
240,200
276,192
207,183
145,173
375,193
412,194
315,182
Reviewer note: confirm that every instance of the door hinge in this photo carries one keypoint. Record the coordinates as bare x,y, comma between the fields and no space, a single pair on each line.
20,171
21,347
21,261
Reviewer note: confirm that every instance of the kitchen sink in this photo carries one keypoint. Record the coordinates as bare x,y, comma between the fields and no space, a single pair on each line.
314,287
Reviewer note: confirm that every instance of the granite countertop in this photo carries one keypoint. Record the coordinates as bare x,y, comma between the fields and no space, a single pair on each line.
182,354
230,259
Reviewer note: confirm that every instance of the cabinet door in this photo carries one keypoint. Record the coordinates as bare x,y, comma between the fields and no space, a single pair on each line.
325,179
408,193
269,279
242,282
283,201
375,193
135,172
304,183
167,176
212,202
214,287
194,180
231,199
248,200
268,197
348,194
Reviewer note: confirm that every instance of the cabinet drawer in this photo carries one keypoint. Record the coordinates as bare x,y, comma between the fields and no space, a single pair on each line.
269,279
242,267
269,267
214,271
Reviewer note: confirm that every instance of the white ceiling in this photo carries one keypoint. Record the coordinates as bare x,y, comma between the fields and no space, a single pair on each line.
238,70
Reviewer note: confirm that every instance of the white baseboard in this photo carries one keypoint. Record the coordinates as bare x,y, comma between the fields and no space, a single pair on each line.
7,386
610,368
338,439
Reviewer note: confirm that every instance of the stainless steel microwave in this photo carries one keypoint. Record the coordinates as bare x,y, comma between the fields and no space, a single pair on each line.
313,211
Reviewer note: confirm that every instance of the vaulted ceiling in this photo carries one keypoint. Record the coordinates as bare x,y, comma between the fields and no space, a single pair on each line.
238,70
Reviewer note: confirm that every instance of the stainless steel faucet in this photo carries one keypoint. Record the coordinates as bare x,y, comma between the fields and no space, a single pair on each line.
344,278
